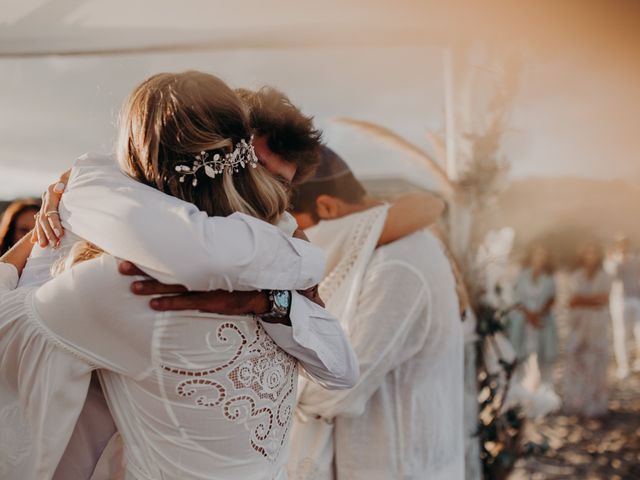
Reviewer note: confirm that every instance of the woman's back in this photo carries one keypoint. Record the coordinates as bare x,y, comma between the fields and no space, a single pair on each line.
193,395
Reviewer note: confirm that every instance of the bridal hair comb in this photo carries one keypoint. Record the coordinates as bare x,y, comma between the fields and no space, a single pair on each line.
244,154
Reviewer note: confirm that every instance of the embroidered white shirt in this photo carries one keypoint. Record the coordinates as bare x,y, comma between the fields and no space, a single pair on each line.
404,417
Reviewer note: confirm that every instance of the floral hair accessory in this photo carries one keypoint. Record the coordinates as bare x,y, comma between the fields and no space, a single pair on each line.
244,154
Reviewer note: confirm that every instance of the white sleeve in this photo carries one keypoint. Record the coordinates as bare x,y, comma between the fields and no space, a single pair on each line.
90,310
42,386
174,242
8,277
319,343
387,330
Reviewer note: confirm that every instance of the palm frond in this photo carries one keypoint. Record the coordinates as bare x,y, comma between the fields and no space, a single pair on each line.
414,152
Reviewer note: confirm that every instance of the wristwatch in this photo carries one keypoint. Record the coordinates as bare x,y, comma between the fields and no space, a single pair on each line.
279,305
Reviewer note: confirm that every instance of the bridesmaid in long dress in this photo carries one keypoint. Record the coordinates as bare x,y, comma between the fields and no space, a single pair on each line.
532,326
585,380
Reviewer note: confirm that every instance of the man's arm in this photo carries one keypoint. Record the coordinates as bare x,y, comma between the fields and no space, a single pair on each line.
389,328
174,242
311,335
410,213
317,340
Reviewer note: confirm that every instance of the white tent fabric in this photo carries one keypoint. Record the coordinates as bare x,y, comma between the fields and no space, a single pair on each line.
37,27
66,66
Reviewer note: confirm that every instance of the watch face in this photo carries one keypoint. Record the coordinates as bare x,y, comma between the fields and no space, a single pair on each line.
281,299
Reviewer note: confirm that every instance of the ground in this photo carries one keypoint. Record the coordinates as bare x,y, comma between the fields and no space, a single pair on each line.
606,448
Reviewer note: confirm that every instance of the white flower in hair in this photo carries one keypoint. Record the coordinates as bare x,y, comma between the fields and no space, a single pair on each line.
244,154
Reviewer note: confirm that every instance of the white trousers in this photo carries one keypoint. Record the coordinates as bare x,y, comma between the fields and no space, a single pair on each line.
625,316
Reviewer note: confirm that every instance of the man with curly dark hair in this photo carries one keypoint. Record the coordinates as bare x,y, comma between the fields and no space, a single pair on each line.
286,140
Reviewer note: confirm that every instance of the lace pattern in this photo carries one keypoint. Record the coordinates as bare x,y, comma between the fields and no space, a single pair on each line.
359,235
256,386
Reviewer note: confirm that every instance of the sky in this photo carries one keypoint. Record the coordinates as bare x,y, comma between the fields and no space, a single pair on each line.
571,117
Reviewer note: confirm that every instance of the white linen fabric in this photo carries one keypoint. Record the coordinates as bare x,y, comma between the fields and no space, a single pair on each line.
193,396
587,350
31,449
174,242
404,417
353,240
238,252
100,202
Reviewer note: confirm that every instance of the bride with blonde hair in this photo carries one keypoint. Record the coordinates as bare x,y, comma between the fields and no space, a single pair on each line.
194,395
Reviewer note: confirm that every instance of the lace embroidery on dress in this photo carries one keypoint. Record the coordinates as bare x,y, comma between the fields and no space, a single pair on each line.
261,385
333,281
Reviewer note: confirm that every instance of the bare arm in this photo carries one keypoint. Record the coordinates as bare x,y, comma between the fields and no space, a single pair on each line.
547,306
409,214
309,334
19,253
589,301
533,318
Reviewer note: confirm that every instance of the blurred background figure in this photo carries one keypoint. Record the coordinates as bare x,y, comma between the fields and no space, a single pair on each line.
587,347
17,220
532,331
624,264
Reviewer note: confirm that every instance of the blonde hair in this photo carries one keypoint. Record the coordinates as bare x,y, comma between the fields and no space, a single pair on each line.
81,251
170,118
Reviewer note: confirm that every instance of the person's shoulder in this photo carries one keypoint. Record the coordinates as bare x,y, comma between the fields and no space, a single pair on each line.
94,169
414,243
95,159
99,271
421,250
90,286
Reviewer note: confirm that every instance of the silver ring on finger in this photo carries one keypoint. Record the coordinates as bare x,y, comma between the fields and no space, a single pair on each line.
52,212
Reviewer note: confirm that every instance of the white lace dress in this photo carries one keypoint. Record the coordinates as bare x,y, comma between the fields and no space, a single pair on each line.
208,401
193,396
587,350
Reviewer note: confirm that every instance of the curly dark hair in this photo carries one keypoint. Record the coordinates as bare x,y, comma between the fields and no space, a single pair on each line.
288,132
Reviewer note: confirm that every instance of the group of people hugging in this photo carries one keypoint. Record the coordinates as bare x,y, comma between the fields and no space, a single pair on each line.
221,299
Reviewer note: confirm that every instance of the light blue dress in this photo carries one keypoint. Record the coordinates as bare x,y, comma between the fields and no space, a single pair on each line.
525,338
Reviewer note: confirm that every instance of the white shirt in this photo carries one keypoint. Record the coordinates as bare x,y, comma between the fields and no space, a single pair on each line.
174,242
101,201
193,396
404,417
